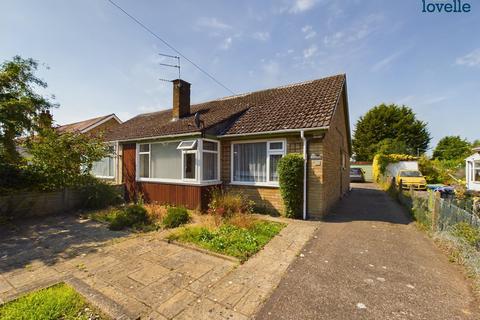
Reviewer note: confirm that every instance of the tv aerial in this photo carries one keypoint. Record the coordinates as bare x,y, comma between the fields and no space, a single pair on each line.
177,66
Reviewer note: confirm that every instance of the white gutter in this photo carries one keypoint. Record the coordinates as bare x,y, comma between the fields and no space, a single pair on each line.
195,133
302,135
271,132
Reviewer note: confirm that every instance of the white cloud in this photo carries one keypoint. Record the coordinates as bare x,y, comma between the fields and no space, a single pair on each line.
213,23
302,5
386,61
227,43
310,52
261,36
309,32
356,32
471,59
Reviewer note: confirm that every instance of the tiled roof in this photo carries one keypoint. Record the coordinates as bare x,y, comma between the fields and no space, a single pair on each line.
308,104
82,125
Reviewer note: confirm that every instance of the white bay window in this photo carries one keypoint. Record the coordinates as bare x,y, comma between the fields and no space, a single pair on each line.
256,162
188,161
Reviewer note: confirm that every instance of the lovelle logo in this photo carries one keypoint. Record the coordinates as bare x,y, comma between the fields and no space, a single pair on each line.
453,6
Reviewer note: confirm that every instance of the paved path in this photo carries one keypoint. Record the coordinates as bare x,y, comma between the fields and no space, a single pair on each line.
131,277
369,262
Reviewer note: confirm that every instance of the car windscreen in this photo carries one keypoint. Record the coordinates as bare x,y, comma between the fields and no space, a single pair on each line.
410,174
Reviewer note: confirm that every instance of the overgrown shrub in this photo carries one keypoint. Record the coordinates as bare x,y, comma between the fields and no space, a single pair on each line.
226,203
290,175
381,161
176,216
131,216
468,233
98,195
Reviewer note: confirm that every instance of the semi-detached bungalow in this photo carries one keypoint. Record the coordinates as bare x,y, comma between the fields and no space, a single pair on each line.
177,156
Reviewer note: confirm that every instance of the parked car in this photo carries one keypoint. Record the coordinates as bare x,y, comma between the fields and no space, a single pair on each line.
411,178
357,175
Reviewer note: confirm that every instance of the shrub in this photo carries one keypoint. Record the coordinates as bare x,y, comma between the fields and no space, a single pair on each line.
176,216
99,195
381,161
290,174
131,216
226,204
468,233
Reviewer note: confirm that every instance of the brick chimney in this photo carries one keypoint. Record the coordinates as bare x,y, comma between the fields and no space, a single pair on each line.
181,99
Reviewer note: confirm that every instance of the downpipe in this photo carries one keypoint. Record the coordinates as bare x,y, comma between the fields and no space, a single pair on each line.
304,139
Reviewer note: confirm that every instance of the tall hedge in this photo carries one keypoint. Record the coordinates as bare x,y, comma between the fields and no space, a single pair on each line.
290,175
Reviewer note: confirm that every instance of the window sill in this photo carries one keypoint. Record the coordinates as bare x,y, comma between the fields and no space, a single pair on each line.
104,177
180,182
255,184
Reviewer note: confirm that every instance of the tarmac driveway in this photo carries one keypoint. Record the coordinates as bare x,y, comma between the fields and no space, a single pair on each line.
368,261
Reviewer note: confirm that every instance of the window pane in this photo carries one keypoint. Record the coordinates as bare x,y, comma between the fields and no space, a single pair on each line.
144,166
249,162
276,146
209,145
189,165
187,145
103,168
144,148
476,171
166,161
210,166
274,158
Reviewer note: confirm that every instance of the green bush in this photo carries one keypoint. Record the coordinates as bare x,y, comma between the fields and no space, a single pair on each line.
99,195
466,232
176,216
131,216
290,174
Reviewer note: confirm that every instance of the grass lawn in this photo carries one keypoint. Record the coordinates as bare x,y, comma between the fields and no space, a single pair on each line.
230,239
56,302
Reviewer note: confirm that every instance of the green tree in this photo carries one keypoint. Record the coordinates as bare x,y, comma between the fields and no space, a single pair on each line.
21,108
64,159
452,148
396,123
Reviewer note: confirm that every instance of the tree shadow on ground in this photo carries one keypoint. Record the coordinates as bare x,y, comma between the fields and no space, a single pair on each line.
366,203
51,239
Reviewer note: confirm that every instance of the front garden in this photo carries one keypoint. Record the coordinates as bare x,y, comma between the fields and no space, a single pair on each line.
227,228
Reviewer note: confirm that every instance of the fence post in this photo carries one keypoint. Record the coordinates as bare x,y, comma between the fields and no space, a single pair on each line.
435,210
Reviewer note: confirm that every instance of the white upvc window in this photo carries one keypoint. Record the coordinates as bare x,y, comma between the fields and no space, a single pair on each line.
186,161
256,162
476,171
105,168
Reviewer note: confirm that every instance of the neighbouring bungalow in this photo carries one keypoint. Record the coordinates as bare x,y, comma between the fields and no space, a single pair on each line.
91,126
472,170
177,156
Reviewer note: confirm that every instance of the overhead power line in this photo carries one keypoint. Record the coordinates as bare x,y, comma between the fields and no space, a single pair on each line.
141,24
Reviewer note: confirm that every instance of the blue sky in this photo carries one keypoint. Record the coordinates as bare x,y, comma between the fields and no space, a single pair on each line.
100,62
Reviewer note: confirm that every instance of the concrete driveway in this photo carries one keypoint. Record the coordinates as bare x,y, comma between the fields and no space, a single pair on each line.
368,261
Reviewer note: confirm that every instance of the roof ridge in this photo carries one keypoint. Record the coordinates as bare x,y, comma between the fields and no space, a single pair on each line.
268,89
246,94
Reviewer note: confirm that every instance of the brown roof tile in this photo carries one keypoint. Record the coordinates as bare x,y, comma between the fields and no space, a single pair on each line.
81,125
308,104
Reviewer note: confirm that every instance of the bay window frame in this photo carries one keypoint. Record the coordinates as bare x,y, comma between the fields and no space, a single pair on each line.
198,180
268,182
